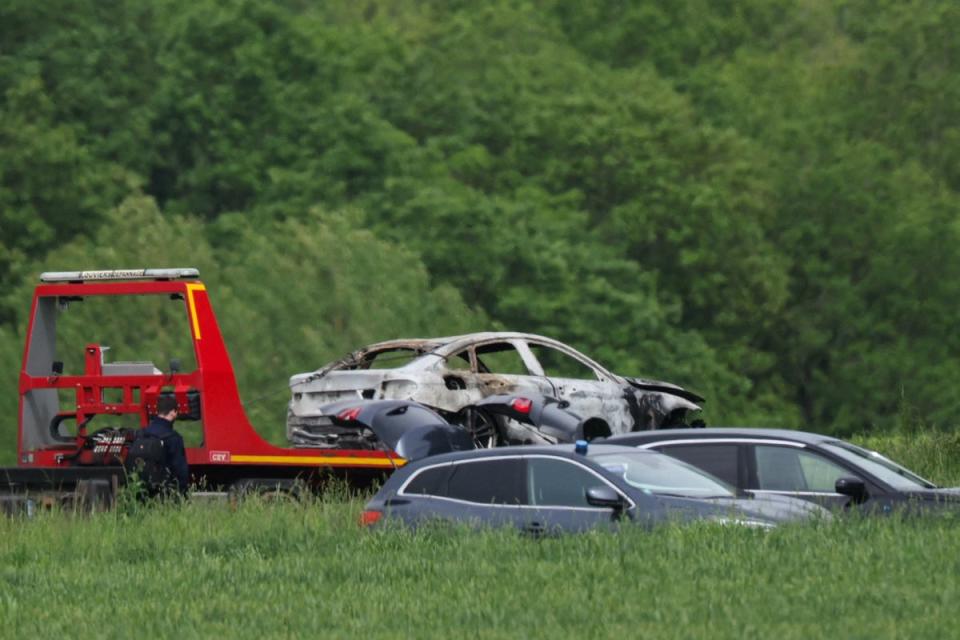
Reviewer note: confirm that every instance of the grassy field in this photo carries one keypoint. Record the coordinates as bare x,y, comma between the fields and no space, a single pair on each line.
298,570
935,455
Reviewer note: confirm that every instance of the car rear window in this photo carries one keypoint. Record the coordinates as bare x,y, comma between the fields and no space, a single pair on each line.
388,358
719,460
432,482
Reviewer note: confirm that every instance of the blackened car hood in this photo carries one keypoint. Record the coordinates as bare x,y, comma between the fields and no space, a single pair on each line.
665,387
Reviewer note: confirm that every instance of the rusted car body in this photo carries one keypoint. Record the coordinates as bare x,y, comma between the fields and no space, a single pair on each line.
453,374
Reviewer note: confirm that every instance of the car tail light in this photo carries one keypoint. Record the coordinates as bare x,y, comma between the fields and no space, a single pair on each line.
521,405
349,415
369,517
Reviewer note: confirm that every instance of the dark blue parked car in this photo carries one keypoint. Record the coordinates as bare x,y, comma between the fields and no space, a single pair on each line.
818,468
554,488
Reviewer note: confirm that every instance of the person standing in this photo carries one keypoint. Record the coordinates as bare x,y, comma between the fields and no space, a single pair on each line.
174,453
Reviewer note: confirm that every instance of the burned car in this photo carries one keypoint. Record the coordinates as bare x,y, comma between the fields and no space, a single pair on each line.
452,375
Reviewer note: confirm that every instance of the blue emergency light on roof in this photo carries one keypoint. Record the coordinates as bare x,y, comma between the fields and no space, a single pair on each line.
580,447
120,274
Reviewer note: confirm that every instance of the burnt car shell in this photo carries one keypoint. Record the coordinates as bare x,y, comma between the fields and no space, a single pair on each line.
450,374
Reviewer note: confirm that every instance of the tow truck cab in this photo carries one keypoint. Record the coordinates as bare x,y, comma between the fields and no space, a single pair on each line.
80,409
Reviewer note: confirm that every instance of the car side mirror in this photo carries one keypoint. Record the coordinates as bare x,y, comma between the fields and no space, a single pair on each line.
603,496
853,487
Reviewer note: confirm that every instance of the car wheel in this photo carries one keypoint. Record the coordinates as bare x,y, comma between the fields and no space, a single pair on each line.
483,428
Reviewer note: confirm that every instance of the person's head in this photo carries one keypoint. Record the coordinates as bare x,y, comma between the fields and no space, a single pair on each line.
167,407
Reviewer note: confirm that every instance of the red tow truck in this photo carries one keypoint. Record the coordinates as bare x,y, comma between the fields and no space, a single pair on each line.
64,456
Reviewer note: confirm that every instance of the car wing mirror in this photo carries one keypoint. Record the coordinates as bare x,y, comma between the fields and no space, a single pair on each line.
853,487
603,496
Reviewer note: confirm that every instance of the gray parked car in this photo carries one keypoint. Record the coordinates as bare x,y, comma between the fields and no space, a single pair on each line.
541,489
451,375
814,467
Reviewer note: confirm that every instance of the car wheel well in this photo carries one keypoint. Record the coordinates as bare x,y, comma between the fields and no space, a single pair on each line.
596,428
454,382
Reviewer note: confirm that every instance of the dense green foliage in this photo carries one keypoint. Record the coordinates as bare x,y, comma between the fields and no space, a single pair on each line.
755,199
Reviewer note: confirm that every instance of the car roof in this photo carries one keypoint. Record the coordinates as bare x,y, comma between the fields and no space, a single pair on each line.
453,342
804,437
559,450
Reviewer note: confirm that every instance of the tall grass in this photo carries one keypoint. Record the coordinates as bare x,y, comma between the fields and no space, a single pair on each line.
298,570
266,570
933,454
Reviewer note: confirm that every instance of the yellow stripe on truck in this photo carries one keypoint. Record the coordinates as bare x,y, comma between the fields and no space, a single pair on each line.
329,461
193,307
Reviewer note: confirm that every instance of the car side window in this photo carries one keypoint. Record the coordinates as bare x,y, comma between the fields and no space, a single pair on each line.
497,481
557,364
793,469
720,460
387,359
459,361
432,482
556,482
500,357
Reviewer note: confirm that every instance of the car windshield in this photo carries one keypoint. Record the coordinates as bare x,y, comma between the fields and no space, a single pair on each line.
657,473
887,470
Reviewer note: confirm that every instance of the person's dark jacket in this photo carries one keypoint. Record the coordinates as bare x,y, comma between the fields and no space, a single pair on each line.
175,455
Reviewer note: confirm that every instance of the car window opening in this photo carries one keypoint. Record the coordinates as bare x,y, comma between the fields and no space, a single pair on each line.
655,474
887,470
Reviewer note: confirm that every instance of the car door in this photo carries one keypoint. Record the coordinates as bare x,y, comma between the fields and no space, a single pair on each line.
794,470
483,492
588,390
459,386
557,496
504,367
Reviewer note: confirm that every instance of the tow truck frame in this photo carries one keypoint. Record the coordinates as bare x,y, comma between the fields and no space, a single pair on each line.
232,454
